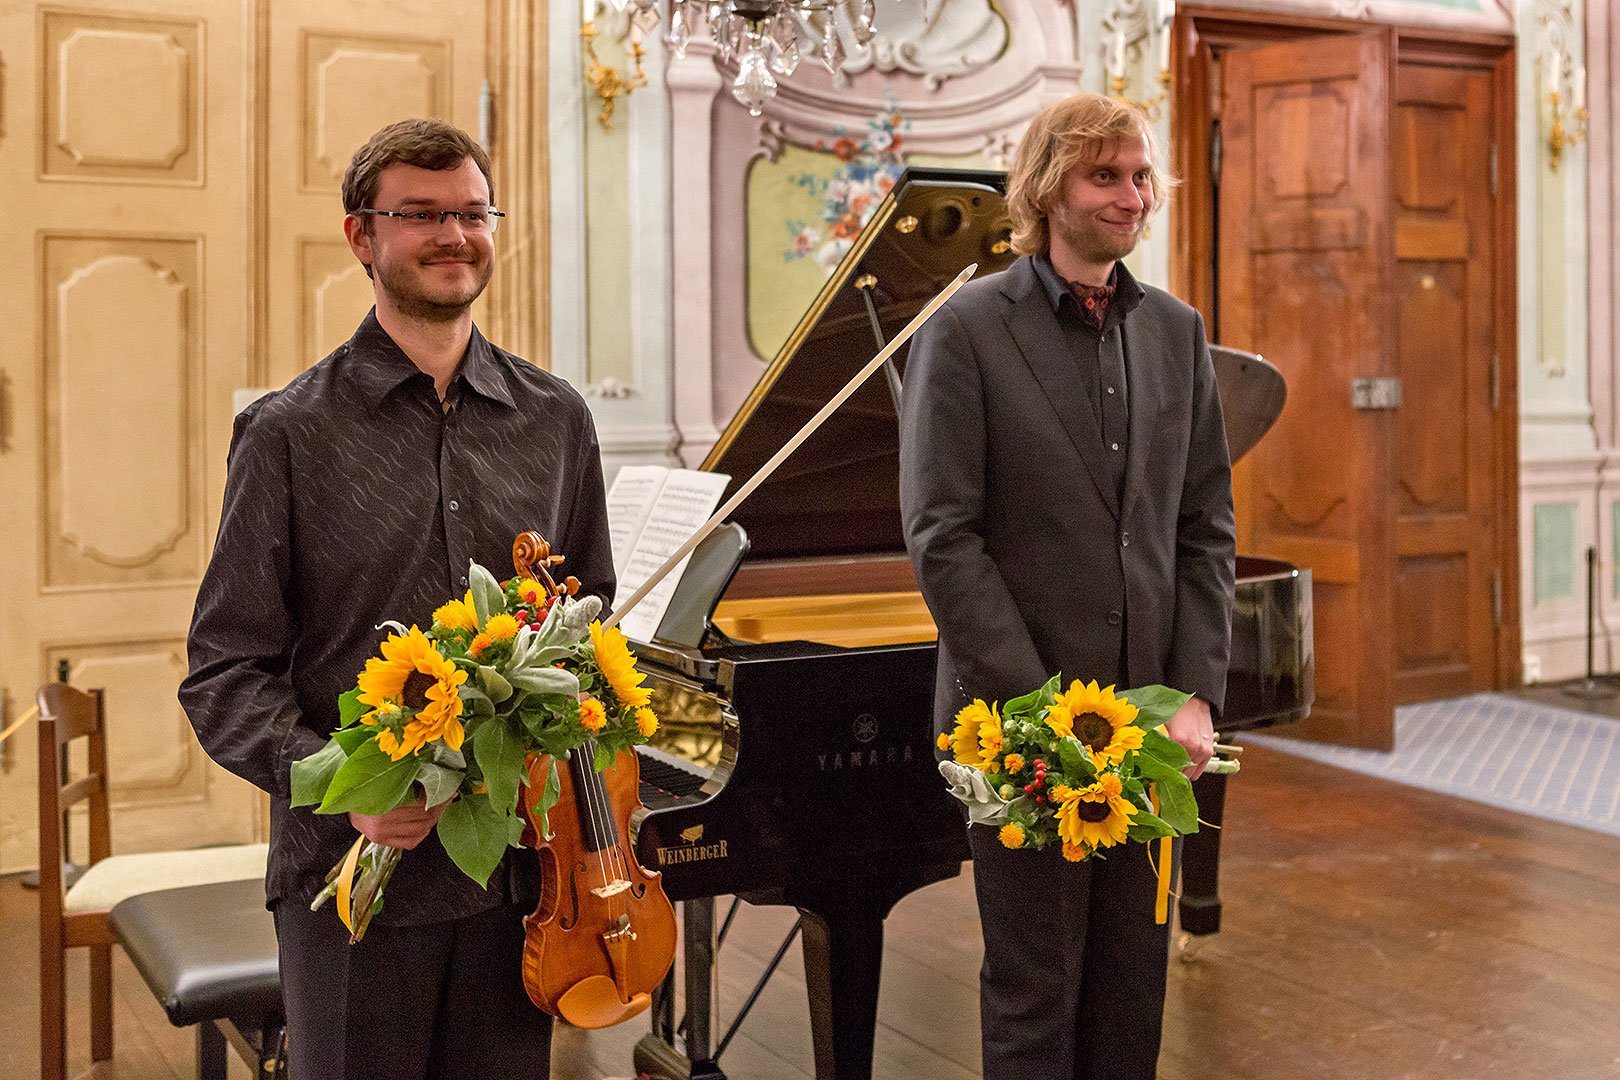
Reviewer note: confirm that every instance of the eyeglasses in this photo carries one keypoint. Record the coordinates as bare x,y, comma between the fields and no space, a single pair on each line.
423,220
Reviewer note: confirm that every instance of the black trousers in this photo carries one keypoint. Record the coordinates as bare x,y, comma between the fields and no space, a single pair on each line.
1072,986
409,1003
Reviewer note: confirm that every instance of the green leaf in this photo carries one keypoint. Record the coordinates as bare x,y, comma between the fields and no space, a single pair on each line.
494,684
486,592
311,775
474,835
1021,706
548,798
352,739
1146,826
1177,806
1157,704
1166,749
500,754
603,757
545,680
350,709
450,759
438,783
514,831
1074,759
369,783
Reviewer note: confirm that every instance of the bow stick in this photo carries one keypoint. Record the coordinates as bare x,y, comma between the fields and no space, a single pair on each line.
792,444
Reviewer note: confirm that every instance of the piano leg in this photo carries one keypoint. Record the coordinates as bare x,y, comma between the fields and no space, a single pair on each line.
843,961
1200,905
655,1055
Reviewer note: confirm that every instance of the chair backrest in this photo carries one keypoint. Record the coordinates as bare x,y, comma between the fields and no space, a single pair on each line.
65,714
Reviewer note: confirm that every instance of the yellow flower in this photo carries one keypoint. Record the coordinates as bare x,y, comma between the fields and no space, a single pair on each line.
1012,836
1014,763
1096,815
592,714
480,644
977,738
1073,852
618,666
646,721
530,590
457,614
943,742
412,674
501,628
1101,721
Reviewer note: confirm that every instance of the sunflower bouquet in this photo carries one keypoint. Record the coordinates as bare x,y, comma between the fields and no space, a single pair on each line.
457,713
1083,768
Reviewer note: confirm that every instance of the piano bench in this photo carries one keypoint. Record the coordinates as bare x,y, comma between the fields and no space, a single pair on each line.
208,953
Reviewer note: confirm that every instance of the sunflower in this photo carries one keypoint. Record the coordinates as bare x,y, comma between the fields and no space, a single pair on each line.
1012,835
458,615
592,714
618,666
1101,721
646,722
1096,815
968,743
501,627
411,673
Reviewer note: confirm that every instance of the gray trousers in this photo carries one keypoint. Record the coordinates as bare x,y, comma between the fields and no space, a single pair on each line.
1072,986
409,1003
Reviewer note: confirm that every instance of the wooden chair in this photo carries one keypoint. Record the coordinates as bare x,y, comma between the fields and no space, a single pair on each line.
76,917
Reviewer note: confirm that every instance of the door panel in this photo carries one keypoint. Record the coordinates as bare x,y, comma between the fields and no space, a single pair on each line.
1306,237
1446,549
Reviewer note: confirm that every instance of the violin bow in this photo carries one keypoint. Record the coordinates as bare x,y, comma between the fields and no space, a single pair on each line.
792,444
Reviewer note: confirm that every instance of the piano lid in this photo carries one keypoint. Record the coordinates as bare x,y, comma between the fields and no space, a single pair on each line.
839,494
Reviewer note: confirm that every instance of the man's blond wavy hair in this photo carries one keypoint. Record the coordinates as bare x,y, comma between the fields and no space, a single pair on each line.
1063,135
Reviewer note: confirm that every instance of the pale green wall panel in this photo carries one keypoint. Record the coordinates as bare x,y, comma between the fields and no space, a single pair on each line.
1554,547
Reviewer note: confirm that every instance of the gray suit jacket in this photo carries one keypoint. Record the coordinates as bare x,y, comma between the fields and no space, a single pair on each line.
1028,558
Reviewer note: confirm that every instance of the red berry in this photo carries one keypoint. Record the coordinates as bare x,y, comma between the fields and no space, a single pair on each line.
1040,798
1029,789
534,626
522,616
1039,783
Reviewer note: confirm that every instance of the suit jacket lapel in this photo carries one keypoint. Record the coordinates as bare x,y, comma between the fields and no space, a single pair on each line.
1144,380
1034,328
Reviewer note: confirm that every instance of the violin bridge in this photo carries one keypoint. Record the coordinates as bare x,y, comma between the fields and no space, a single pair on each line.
612,888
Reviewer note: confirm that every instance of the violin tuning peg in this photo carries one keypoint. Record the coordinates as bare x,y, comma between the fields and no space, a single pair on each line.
571,585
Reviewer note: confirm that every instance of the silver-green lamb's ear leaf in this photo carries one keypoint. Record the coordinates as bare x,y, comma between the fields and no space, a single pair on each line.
494,684
545,680
486,592
577,615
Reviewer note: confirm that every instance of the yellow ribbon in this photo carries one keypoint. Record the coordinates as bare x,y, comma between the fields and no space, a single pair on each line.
346,879
1161,899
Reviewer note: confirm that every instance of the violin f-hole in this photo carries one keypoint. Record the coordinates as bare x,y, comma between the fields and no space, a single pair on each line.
573,897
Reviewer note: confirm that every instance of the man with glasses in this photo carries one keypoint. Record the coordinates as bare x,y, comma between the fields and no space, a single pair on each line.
359,493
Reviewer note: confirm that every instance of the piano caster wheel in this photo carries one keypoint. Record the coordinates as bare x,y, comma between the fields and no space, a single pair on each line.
1189,947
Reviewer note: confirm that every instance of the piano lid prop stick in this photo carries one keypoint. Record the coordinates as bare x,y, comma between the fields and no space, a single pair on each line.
781,455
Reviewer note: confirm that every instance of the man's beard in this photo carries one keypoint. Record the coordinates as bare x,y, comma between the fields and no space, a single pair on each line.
413,303
1089,241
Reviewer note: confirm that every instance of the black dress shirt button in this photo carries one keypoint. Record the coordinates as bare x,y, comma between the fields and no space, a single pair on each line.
454,505
1114,618
1113,446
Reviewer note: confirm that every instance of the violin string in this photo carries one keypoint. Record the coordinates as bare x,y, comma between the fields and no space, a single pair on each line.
583,774
598,789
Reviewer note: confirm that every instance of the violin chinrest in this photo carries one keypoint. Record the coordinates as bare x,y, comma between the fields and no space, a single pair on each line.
593,1002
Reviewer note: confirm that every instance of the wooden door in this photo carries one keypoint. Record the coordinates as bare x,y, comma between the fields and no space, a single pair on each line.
124,204
1305,246
174,175
1448,598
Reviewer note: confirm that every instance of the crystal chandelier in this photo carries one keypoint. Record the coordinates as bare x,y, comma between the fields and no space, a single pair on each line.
766,38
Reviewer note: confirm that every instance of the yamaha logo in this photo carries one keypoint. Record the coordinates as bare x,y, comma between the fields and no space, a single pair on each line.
866,728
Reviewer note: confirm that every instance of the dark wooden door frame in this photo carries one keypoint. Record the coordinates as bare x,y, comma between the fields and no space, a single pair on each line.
1200,33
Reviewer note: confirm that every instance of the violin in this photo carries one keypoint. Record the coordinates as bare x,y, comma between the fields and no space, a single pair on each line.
603,934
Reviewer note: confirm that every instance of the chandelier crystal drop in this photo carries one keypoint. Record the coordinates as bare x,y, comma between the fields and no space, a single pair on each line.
765,38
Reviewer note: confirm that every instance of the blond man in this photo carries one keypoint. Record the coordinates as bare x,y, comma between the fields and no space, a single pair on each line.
1067,499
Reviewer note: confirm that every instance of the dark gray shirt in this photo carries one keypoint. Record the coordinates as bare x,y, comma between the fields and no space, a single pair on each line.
354,496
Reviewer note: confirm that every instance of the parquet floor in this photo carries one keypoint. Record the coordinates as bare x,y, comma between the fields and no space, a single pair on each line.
1373,931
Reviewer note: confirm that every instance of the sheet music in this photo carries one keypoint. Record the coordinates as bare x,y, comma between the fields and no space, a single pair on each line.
628,503
684,502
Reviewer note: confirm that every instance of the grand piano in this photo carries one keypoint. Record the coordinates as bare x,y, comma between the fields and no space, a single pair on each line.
795,666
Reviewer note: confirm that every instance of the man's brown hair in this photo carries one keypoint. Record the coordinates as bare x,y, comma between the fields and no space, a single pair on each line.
1062,135
426,143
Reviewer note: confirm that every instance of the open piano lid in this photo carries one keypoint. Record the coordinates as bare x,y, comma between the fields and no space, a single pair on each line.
838,495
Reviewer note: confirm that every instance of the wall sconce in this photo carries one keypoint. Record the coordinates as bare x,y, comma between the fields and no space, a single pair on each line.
1153,106
1575,111
608,82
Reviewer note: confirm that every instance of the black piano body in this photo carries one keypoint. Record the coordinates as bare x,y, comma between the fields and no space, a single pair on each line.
823,793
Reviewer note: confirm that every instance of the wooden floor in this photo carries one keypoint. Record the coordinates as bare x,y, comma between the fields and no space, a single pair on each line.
1373,931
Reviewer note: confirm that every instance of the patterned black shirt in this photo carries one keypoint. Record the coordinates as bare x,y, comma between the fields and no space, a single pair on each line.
354,496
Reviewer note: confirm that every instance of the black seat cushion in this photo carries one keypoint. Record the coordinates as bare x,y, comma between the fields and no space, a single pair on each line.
207,951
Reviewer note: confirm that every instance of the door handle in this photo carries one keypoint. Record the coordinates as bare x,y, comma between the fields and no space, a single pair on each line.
5,412
1380,393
